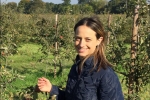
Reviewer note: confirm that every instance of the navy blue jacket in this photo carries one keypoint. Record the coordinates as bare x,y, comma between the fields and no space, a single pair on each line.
90,85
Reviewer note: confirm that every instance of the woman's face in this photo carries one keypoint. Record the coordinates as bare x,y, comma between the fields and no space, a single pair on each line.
85,41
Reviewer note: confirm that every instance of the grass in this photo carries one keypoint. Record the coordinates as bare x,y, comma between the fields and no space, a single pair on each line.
26,63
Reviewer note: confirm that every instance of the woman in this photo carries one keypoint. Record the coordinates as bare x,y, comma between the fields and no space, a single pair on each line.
91,76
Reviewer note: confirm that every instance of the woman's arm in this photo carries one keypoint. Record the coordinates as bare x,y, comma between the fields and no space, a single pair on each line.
60,94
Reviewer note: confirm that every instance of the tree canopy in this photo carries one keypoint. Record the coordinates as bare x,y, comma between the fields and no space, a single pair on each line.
83,6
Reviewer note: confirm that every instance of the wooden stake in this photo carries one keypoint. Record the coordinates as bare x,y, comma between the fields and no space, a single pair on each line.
56,34
109,22
56,44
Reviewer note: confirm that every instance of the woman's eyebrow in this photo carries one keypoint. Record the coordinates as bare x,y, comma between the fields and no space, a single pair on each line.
88,37
78,36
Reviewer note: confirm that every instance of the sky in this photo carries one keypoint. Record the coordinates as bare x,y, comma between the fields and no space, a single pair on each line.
53,1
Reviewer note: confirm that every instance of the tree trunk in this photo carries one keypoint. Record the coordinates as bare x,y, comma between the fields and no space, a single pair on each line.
133,53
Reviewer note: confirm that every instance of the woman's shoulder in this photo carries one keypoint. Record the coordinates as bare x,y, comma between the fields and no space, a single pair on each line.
107,69
107,73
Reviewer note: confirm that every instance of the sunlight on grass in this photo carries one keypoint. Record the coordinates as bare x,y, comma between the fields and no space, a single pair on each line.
27,63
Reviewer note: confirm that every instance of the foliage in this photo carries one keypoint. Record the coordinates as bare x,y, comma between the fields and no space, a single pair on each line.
92,6
82,1
12,6
49,35
86,8
42,29
97,5
7,77
141,3
121,29
8,43
49,7
23,5
31,6
66,2
120,51
36,6
30,67
116,6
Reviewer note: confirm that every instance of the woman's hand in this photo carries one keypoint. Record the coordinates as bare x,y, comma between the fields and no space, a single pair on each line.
44,85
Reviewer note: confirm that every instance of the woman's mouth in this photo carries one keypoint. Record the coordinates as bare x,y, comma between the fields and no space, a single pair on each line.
82,50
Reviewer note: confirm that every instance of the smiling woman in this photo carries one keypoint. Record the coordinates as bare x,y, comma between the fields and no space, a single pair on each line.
91,76
86,41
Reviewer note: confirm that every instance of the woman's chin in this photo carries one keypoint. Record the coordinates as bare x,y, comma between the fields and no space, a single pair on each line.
82,55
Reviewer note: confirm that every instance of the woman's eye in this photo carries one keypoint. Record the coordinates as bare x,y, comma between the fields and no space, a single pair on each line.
88,40
77,39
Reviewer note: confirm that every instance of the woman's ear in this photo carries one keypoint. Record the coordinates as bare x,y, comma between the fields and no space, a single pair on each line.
99,40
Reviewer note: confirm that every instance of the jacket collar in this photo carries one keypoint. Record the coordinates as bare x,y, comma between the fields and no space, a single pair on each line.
89,61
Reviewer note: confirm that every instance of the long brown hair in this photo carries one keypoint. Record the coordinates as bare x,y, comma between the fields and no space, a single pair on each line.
99,55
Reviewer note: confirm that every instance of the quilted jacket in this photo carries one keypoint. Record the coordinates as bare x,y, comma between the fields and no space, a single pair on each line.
90,85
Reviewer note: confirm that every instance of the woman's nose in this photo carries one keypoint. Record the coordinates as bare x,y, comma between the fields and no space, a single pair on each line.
82,43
